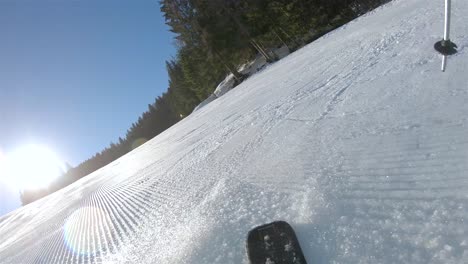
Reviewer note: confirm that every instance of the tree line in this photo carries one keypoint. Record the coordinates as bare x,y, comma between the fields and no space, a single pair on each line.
214,37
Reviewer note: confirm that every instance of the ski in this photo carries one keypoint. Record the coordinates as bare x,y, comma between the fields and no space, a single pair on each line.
274,243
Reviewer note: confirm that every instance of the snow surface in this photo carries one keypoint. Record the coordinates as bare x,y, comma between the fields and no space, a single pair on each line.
358,140
225,86
248,69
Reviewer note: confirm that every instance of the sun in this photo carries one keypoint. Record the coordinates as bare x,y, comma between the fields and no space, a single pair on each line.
31,167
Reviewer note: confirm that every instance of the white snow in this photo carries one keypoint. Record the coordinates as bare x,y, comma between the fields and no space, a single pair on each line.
225,86
358,140
248,69
208,100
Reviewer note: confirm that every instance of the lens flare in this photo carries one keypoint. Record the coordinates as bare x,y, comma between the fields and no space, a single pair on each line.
31,167
3,167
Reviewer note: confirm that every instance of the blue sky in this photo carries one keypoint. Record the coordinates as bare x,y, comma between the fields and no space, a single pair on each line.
75,74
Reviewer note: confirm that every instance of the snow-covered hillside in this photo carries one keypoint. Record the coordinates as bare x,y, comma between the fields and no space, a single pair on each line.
358,140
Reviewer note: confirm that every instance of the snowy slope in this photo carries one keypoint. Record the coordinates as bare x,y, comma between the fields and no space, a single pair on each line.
358,140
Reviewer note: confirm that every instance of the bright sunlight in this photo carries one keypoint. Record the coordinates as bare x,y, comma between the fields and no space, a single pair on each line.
30,167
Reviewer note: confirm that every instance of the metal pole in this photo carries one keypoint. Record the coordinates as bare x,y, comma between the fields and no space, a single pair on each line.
445,46
448,4
444,62
447,19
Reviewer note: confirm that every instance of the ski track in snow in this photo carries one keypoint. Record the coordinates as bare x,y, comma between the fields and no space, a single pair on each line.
358,140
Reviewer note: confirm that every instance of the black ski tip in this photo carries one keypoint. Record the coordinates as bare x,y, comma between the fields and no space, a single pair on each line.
274,243
445,47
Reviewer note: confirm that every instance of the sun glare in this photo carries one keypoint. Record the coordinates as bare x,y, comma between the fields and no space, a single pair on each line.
30,167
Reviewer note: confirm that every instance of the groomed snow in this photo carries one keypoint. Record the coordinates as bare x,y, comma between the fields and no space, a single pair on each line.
358,140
